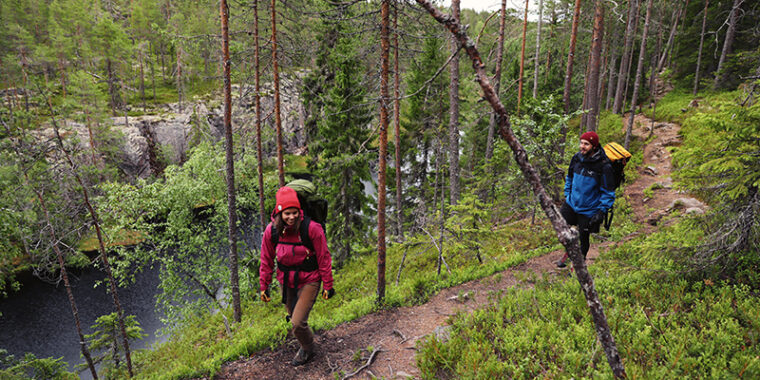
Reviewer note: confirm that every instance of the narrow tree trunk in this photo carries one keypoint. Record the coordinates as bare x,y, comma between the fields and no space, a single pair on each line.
152,71
224,11
676,16
639,71
567,237
538,47
384,67
720,75
630,63
611,81
625,58
699,54
180,89
397,124
101,244
569,70
551,39
497,79
62,70
442,221
113,97
454,115
595,61
522,59
257,97
653,63
276,79
142,81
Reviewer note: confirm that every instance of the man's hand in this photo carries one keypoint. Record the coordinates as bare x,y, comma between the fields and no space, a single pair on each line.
327,294
265,296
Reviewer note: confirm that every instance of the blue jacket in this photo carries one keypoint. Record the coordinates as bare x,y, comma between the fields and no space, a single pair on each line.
589,183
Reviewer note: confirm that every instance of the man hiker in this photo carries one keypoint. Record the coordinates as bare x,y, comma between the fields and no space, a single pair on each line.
589,190
303,263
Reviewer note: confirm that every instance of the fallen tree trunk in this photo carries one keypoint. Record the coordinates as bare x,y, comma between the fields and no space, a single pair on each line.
567,237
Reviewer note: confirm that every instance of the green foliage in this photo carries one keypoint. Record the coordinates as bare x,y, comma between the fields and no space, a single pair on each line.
31,367
106,343
338,152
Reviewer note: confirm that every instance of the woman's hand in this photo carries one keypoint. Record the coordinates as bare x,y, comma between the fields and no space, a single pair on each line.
265,296
327,294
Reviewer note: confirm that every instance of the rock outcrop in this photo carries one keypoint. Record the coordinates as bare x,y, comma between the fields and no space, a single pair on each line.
150,142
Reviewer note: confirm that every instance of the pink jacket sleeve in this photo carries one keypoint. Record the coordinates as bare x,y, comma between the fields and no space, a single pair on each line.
324,258
267,259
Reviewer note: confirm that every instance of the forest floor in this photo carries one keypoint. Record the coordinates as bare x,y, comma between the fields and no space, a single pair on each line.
395,333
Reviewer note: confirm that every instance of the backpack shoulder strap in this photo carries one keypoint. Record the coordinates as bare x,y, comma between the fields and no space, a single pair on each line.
304,233
274,236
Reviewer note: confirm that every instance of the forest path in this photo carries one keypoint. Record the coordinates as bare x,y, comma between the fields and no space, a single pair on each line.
395,332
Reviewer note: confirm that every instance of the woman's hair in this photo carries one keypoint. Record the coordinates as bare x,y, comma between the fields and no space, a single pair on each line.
279,223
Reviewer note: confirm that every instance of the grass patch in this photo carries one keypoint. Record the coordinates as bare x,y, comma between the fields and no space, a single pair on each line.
664,327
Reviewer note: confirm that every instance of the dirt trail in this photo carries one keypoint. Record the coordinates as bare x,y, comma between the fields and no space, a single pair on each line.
397,331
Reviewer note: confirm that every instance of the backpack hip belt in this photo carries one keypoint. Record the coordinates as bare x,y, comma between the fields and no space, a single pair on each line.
309,264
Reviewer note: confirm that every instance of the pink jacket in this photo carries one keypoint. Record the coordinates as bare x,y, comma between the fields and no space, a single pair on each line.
292,255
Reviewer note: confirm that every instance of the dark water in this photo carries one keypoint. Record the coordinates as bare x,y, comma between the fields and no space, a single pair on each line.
38,318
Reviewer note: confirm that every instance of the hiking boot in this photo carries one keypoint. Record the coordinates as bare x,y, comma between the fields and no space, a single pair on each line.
561,264
302,357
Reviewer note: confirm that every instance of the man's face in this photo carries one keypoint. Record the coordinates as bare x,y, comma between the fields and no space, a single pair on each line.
290,215
586,147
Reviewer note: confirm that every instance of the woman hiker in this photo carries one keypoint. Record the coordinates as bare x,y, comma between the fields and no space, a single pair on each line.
303,263
588,190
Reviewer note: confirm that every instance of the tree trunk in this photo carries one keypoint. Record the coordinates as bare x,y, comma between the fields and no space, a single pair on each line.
276,79
397,124
384,67
142,81
630,62
569,70
538,47
567,237
720,75
522,59
611,67
180,90
101,244
617,106
699,54
257,97
551,38
595,61
113,94
224,11
497,79
676,16
442,222
639,71
454,115
152,72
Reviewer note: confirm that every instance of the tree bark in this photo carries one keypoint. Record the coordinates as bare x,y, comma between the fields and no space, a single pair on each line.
397,124
384,67
699,54
224,11
592,90
676,17
142,81
454,115
720,75
276,80
538,47
257,99
567,237
497,79
569,70
611,67
625,58
522,59
639,71
101,244
61,264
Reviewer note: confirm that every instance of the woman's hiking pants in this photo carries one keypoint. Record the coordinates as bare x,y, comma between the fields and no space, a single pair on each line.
299,303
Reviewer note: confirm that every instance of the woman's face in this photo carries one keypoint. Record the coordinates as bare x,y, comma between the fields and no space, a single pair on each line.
289,216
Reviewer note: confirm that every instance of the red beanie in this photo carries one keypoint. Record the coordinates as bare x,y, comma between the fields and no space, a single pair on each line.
286,198
591,137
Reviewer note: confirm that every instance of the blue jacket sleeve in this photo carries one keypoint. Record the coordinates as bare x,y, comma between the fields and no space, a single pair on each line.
607,193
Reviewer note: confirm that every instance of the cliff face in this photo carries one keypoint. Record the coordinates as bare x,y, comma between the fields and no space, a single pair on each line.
148,143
